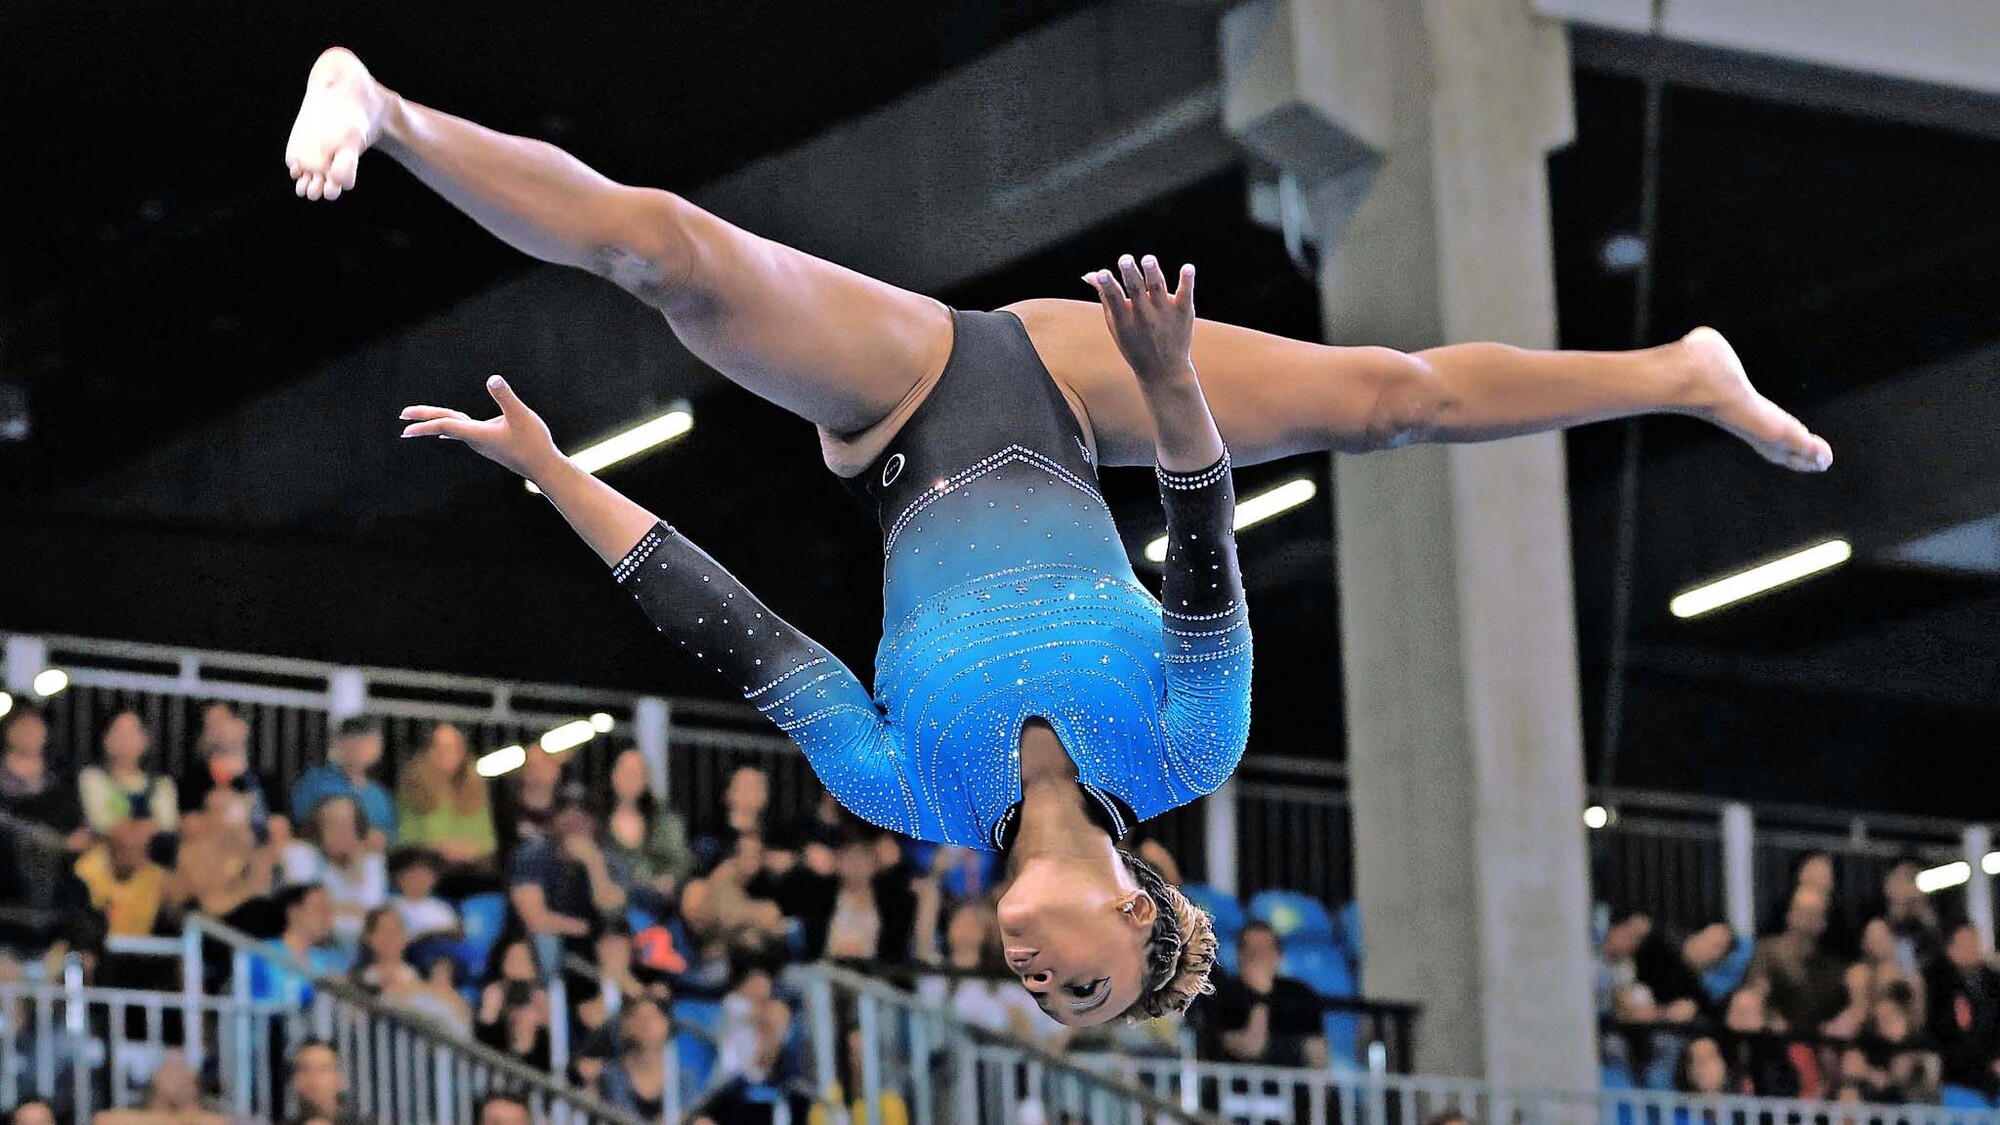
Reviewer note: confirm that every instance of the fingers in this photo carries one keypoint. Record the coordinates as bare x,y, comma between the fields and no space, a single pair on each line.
1186,291
427,413
510,403
1135,285
457,429
1156,282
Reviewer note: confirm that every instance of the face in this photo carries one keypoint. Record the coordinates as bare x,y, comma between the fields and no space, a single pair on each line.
315,916
1257,948
447,750
1706,1069
1878,941
518,964
125,740
1626,937
1807,915
416,881
748,793
361,751
223,732
387,939
1746,1011
541,770
1900,884
339,827
1816,873
1964,948
645,1025
316,1076
127,843
34,1113
1077,939
503,1113
173,1083
28,736
855,863
628,776
968,932
1705,948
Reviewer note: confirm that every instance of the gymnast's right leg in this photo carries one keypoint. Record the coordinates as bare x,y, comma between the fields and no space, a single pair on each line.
839,349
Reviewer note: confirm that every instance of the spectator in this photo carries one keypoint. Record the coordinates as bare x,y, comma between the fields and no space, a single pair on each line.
649,843
1900,1064
872,907
33,1111
356,748
726,919
443,804
1815,871
562,885
824,822
126,886
498,1107
1873,979
755,1025
1965,1013
1807,987
319,1084
529,799
744,802
385,970
1911,917
173,1097
514,1008
32,792
1617,960
1704,1070
1760,1060
308,916
636,1079
221,868
334,855
427,917
222,761
122,788
1261,1017
1673,974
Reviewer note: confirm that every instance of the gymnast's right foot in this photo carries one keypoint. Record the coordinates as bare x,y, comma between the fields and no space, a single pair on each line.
340,118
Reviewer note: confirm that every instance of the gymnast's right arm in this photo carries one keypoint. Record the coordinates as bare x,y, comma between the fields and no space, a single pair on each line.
711,616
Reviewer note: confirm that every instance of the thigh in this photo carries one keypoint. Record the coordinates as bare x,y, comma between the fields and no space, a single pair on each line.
836,347
1272,396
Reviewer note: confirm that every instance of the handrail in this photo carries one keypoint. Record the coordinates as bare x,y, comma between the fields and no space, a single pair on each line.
851,981
513,1069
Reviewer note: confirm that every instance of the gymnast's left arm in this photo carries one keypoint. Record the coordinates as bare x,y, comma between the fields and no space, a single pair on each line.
713,618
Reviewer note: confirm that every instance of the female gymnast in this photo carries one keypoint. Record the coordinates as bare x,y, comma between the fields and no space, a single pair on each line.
1031,696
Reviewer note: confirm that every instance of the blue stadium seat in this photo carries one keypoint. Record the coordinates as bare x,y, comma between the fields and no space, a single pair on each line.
1321,966
1347,934
1227,912
483,915
704,1014
1294,915
697,1061
1722,980
1965,1097
1225,952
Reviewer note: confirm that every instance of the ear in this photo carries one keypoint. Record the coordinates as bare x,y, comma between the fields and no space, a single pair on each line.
1139,909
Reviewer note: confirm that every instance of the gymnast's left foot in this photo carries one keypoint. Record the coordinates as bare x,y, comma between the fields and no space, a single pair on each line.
1725,397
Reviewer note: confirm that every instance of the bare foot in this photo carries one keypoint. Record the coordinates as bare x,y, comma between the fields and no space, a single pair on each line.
1728,400
339,120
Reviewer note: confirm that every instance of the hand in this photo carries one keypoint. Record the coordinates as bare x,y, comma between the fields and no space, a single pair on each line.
517,439
1154,328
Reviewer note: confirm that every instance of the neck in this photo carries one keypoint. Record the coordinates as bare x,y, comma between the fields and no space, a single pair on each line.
1054,828
124,770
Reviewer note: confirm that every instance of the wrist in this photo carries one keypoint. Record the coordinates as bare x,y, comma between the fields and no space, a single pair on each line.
1177,380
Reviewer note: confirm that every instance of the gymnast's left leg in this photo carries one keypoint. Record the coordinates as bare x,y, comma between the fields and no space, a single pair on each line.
1274,396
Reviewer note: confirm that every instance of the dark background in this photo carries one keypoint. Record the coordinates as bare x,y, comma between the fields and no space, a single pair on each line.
156,273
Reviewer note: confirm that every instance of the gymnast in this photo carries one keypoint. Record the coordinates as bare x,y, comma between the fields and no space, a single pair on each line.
1031,696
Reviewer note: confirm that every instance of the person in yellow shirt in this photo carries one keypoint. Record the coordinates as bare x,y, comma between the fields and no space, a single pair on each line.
126,886
833,1108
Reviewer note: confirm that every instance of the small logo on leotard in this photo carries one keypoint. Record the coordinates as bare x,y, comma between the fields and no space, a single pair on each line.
892,470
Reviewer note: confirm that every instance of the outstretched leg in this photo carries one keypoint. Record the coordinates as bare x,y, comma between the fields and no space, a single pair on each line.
832,346
1274,396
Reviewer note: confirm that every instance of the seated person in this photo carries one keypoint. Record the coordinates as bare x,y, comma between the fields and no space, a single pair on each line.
334,854
126,886
444,806
1257,1016
121,787
221,870
36,800
222,761
173,1097
513,1014
354,751
650,842
426,917
385,970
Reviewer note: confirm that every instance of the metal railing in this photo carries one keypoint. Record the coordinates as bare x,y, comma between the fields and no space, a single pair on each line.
949,1072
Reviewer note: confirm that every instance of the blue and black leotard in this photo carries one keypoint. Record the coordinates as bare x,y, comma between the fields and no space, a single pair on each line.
1007,596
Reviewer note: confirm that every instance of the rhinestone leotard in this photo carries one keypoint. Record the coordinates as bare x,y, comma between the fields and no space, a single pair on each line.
1007,596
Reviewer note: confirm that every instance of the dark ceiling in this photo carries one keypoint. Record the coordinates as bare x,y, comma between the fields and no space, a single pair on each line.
158,274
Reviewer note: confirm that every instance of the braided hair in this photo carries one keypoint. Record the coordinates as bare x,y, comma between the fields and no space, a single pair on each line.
1180,952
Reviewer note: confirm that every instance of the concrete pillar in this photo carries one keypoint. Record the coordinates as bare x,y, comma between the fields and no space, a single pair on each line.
652,724
1739,869
346,694
1457,630
1218,820
1979,888
26,657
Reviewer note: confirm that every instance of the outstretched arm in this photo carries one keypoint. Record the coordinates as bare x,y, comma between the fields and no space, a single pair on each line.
791,678
1207,626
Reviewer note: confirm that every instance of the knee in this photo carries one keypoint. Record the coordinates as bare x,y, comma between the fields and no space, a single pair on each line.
651,249
1410,399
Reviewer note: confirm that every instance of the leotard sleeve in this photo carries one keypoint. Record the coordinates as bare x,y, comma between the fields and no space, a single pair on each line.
1207,627
792,679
